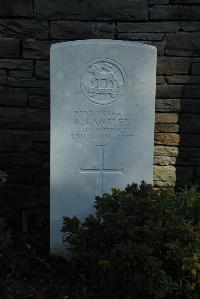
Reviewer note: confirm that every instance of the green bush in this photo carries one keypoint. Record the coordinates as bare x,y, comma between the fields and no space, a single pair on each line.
142,243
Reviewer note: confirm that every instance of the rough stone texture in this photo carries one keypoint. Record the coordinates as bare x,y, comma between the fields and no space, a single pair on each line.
183,79
167,151
164,160
148,27
196,68
42,69
18,140
178,91
189,26
184,175
12,96
70,30
173,65
166,118
167,128
141,36
167,138
92,10
9,48
2,75
36,49
23,118
165,175
174,12
168,105
20,74
38,101
24,28
189,123
16,8
172,27
186,1
30,159
183,44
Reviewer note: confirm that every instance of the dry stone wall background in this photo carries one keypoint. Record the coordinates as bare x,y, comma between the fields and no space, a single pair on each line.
29,27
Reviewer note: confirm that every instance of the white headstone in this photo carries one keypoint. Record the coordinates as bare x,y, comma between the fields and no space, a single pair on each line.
102,123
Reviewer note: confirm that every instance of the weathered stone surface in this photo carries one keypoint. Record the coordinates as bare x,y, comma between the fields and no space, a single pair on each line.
183,43
196,68
167,138
148,27
41,136
27,175
184,175
17,140
190,140
168,105
160,79
20,160
70,30
160,45
41,147
24,28
24,118
183,79
92,10
36,49
178,91
189,123
173,65
190,26
167,128
174,12
168,91
16,8
158,1
12,96
12,64
141,36
42,90
167,151
2,75
20,74
9,48
185,1
27,83
188,156
42,69
43,196
178,105
162,160
190,106
167,118
75,110
165,175
190,92
19,196
38,101
21,175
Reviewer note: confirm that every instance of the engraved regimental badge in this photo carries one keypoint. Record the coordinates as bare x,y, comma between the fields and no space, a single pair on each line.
103,81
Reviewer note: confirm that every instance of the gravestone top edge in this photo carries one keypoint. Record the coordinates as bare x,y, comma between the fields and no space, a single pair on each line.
103,42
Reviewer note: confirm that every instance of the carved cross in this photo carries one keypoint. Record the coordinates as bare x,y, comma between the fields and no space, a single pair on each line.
101,170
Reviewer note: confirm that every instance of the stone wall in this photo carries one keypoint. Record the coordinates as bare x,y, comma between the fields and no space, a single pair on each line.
29,27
